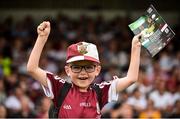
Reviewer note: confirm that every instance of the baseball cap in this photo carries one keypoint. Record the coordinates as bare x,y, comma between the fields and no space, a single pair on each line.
82,51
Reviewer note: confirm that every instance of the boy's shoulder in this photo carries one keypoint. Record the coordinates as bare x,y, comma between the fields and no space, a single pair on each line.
103,84
107,84
54,77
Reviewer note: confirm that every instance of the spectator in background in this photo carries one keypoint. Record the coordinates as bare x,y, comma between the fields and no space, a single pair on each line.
119,110
43,108
137,101
112,71
3,111
160,97
127,111
2,92
150,111
16,102
10,82
165,62
176,110
172,84
113,112
27,109
13,103
144,84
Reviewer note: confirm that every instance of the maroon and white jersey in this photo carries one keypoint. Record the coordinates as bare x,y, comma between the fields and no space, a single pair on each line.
79,104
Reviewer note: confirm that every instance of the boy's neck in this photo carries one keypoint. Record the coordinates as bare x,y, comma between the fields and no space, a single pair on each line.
81,89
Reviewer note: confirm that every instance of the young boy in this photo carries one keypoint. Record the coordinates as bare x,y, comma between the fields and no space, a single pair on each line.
82,66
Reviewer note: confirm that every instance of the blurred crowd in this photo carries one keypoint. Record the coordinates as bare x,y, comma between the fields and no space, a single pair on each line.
155,95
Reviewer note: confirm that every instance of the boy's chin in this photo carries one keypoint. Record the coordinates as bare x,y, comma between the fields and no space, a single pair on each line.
83,85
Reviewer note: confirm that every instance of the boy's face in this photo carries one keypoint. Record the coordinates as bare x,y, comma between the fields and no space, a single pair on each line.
82,73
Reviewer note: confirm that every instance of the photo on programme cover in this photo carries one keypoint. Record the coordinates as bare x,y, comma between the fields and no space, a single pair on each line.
156,33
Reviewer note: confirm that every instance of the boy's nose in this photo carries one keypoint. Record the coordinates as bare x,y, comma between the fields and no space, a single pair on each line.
83,70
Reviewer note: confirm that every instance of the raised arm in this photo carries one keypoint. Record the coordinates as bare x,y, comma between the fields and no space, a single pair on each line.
33,68
133,71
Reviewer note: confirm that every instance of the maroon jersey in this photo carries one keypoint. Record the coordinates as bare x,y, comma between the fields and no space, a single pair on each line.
78,104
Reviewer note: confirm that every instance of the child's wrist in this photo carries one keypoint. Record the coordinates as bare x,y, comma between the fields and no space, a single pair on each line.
136,47
43,36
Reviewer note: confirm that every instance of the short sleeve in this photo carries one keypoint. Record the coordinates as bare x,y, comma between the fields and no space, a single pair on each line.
112,93
109,92
55,84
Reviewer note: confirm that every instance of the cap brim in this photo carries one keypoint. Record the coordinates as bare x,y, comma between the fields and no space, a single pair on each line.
80,58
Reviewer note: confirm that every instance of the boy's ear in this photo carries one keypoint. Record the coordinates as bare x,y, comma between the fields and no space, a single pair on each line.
98,70
67,70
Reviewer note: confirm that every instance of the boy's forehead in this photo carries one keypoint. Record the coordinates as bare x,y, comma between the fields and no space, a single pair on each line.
83,62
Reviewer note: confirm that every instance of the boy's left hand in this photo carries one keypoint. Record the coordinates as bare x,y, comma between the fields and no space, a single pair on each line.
136,40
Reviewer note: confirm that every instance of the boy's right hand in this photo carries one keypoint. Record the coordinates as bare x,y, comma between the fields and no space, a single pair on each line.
44,29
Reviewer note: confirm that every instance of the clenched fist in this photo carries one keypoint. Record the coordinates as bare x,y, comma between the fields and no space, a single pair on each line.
136,40
44,29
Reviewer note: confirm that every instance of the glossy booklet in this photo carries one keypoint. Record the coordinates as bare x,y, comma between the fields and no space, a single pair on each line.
156,33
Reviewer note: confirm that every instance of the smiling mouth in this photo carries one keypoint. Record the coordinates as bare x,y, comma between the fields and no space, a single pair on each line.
83,78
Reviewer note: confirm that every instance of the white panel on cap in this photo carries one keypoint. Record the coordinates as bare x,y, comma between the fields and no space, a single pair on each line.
76,58
92,51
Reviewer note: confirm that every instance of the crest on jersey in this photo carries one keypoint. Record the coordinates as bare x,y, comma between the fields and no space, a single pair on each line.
82,48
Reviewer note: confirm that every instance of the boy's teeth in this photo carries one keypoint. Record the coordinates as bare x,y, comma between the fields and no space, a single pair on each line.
82,78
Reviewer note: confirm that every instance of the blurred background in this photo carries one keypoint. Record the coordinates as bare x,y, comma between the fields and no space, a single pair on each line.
103,22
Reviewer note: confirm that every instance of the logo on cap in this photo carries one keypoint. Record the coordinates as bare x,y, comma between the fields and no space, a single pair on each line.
82,48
